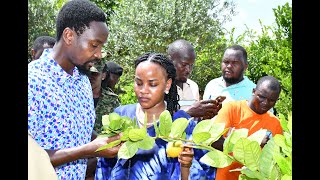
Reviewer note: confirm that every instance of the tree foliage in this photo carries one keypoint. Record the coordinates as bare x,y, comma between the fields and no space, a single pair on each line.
137,27
271,54
41,19
107,6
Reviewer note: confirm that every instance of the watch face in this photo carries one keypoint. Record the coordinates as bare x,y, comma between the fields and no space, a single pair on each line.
269,134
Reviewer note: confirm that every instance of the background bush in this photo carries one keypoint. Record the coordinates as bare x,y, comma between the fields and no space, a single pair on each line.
137,27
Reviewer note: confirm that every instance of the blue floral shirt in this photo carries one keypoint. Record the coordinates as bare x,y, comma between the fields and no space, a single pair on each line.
60,110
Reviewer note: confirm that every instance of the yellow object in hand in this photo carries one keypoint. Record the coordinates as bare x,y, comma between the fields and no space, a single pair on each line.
174,148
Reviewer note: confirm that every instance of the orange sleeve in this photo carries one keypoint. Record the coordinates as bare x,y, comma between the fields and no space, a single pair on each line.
225,116
277,130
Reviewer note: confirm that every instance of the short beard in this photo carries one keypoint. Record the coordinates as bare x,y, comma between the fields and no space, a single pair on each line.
181,81
232,80
83,70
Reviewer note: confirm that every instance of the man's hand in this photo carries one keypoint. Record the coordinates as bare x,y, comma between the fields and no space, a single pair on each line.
109,152
205,109
266,139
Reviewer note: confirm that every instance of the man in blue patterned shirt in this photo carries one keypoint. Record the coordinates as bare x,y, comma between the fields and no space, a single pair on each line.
61,112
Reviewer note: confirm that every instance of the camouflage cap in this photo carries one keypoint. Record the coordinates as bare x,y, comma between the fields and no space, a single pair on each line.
113,68
93,69
99,65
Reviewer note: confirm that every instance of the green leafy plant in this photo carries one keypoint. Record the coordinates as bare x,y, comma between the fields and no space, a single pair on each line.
204,134
271,162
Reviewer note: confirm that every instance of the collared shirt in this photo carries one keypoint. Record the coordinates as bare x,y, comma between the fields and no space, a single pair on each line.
240,91
108,101
60,110
189,94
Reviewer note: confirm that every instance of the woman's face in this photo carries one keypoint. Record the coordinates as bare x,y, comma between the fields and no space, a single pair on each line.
150,83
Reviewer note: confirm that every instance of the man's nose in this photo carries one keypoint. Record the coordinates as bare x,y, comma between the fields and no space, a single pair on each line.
98,54
188,68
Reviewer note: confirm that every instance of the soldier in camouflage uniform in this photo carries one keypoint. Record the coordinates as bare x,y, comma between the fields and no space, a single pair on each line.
108,100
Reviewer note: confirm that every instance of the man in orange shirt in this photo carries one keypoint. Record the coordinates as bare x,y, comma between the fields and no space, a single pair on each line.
253,115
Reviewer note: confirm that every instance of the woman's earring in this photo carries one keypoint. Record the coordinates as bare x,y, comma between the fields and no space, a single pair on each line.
166,92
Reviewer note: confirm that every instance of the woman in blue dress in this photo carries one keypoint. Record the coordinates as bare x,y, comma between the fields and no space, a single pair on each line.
156,90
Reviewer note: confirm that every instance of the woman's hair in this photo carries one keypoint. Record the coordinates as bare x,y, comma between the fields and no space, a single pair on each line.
172,97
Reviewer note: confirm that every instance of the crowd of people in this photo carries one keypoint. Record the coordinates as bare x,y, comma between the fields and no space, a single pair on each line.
68,95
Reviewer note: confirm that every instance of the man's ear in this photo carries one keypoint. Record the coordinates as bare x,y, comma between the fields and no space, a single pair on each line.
253,90
245,67
33,53
103,76
68,35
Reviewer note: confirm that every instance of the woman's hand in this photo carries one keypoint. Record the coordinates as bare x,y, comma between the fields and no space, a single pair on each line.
185,157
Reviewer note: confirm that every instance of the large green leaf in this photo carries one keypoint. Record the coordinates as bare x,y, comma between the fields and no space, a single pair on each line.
280,140
289,125
275,173
251,174
147,143
284,164
288,138
109,145
125,134
252,155
286,177
283,122
258,135
137,134
267,162
201,137
178,127
243,177
215,129
115,121
247,153
128,150
127,122
203,126
165,123
216,158
231,140
105,120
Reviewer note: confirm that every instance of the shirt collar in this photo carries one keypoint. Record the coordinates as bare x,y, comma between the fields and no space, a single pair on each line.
185,84
241,83
55,69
